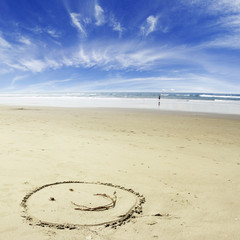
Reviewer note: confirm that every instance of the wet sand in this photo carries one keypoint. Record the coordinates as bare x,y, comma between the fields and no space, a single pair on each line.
186,165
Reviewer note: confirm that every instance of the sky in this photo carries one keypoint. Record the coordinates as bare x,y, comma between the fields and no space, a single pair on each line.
120,45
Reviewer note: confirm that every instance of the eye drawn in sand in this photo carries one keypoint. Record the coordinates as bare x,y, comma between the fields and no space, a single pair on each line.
76,204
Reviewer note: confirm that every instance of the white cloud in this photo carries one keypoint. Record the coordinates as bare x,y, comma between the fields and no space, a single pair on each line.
66,61
87,20
34,65
116,26
38,65
120,56
230,42
150,25
5,71
54,64
152,22
53,33
227,10
230,23
15,66
227,14
76,22
37,30
25,40
84,59
17,78
4,43
223,6
180,82
47,86
99,15
87,58
80,21
126,83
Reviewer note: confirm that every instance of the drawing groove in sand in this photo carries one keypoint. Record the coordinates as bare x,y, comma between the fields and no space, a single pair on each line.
76,204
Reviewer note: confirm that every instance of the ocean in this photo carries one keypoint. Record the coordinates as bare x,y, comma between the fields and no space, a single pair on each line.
189,102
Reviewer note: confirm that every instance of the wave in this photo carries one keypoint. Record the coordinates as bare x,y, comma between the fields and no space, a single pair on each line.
219,96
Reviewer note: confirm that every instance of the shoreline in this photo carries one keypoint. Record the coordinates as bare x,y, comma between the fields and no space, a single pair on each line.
122,109
185,164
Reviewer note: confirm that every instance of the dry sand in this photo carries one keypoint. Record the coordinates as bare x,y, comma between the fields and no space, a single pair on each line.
187,166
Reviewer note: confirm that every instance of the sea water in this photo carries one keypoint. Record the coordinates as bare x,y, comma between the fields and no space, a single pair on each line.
191,102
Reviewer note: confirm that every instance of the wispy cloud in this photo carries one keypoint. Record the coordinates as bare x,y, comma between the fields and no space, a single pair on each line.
34,52
84,59
47,86
231,22
24,40
33,65
219,6
99,15
183,82
76,21
225,30
126,83
4,43
17,78
111,57
97,18
230,35
116,26
53,33
29,57
40,65
227,42
37,30
150,25
129,56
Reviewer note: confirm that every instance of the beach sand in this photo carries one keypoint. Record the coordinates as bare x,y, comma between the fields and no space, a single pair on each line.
186,166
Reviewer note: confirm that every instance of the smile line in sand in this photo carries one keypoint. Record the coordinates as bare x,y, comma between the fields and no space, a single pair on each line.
98,208
134,206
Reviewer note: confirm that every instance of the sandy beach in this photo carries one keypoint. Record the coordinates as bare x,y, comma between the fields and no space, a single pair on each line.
186,166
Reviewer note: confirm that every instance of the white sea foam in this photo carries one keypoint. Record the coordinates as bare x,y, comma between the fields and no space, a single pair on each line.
219,96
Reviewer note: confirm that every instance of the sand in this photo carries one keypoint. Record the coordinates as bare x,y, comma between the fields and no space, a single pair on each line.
186,166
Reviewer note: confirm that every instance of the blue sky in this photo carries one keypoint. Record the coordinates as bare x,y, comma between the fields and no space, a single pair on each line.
119,45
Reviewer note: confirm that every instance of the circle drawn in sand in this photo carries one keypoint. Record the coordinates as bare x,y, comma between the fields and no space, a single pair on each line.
72,204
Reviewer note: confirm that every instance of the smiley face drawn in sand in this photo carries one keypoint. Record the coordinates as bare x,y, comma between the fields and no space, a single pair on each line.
73,204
